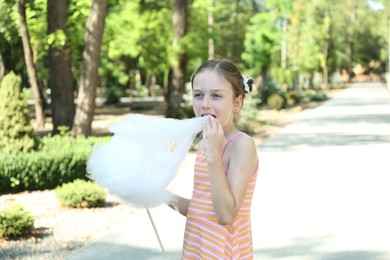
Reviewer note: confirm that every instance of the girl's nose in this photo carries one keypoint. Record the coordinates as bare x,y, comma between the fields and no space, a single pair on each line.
206,102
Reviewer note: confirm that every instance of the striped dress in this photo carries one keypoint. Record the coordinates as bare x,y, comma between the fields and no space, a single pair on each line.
204,237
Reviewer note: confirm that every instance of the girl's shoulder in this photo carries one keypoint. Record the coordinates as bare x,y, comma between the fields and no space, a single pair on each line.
244,141
242,144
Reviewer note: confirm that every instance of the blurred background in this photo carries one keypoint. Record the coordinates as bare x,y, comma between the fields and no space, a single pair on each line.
68,68
142,53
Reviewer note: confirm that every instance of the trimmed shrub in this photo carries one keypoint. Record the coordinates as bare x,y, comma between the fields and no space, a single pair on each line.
81,194
15,222
16,132
319,96
293,97
276,101
270,87
59,160
314,96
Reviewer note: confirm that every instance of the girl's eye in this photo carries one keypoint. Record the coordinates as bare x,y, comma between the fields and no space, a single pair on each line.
197,95
216,96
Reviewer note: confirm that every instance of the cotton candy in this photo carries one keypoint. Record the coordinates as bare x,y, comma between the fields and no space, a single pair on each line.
142,157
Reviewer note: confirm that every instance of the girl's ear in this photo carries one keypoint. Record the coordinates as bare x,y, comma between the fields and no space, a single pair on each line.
237,103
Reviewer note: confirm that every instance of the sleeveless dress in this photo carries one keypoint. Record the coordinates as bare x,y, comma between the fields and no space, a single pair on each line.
204,237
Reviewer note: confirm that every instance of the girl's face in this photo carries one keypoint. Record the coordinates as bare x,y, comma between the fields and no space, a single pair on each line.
213,95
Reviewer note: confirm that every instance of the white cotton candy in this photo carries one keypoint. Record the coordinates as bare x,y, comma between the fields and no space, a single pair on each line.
143,157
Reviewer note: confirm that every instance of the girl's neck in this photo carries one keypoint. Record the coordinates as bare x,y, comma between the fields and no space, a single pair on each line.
229,132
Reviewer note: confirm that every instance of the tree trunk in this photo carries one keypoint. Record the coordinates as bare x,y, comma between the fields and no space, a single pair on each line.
82,124
176,86
2,66
283,48
325,74
255,7
351,41
150,82
262,77
295,79
311,80
210,22
39,113
60,74
325,50
234,39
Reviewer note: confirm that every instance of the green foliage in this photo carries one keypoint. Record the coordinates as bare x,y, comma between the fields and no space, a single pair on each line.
313,95
15,222
293,97
78,14
318,36
59,160
57,39
139,91
182,112
276,101
270,86
16,132
36,12
262,46
145,47
80,194
113,95
249,119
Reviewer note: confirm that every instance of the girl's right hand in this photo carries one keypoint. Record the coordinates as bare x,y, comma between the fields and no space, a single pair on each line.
213,139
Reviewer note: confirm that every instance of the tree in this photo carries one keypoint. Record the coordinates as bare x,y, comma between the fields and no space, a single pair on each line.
28,57
82,124
16,133
351,45
10,42
60,73
176,85
210,22
262,46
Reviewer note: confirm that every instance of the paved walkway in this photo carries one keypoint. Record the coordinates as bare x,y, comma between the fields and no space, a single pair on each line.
322,193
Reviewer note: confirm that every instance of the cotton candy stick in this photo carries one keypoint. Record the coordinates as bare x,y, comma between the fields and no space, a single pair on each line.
142,157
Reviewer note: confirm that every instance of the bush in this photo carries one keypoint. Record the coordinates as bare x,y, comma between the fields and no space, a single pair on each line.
313,95
270,87
319,96
293,97
276,101
81,194
182,112
113,95
59,160
15,222
249,119
16,133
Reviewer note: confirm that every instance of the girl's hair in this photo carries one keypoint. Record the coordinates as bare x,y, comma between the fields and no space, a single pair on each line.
228,71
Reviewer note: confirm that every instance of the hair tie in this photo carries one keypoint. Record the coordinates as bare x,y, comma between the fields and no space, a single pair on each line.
245,81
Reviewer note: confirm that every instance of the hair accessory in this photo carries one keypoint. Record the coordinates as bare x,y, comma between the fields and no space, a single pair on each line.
245,81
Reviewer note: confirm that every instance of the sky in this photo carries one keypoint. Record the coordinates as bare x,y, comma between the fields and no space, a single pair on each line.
375,5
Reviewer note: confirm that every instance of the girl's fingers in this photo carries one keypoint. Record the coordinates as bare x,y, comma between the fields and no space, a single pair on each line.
214,123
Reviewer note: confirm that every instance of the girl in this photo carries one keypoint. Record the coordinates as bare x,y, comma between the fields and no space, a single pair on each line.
218,215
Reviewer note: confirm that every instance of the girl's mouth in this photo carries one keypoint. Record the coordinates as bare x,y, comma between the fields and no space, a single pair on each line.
209,115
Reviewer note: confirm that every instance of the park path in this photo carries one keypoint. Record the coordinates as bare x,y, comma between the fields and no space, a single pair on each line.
322,192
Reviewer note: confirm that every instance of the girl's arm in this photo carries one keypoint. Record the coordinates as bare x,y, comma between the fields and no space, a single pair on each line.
228,190
179,204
